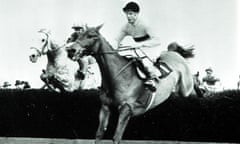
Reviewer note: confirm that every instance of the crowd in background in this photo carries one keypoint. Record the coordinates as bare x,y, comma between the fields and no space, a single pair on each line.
209,79
18,85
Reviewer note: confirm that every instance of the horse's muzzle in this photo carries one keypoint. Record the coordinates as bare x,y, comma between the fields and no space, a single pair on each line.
33,58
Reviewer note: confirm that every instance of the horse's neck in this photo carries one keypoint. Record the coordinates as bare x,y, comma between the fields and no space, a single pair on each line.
111,64
56,53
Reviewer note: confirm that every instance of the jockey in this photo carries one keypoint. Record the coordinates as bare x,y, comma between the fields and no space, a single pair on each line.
83,63
209,79
77,30
238,83
143,38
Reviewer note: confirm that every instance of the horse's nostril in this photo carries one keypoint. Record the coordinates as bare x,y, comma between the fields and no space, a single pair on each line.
71,50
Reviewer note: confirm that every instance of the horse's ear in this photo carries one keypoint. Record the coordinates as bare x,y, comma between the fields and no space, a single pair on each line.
44,30
99,27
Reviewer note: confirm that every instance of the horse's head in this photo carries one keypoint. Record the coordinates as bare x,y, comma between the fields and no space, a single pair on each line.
41,45
34,54
87,43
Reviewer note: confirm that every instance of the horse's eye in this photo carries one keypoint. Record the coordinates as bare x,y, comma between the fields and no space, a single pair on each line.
43,40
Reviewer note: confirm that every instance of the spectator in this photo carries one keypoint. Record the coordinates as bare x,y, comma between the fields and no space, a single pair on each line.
196,79
26,85
6,84
18,84
77,30
210,79
238,83
22,84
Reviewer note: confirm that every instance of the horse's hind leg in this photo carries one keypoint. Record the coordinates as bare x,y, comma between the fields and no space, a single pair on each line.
124,116
103,122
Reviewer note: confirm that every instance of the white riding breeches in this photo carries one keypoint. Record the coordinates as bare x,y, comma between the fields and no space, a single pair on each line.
148,55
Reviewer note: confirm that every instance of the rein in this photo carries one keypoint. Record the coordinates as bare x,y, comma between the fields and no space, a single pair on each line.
125,48
116,51
38,51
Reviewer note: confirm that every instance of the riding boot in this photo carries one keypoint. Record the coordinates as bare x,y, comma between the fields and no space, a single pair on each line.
150,81
164,69
150,84
150,76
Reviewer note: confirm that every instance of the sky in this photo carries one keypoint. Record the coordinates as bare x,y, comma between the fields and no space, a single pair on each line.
212,26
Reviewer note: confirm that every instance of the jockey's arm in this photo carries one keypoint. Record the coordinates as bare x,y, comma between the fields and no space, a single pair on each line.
153,41
83,64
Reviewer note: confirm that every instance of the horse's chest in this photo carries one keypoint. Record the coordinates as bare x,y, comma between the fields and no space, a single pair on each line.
57,68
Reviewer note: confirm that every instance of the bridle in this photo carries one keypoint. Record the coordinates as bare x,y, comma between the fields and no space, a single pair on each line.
46,44
45,47
37,50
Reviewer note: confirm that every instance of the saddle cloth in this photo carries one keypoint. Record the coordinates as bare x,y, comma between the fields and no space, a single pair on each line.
162,70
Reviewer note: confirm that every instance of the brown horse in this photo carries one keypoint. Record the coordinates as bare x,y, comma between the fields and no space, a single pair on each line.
121,85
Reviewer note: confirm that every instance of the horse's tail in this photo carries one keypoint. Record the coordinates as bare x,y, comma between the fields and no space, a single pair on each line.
185,52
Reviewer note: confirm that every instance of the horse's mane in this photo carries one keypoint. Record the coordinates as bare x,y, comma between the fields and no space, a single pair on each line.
185,52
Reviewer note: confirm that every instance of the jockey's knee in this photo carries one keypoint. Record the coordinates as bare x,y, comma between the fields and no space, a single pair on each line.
148,65
147,62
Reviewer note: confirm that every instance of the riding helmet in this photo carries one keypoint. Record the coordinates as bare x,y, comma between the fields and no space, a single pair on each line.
77,27
209,70
131,6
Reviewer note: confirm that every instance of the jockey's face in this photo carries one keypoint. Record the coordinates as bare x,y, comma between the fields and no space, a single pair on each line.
131,16
209,73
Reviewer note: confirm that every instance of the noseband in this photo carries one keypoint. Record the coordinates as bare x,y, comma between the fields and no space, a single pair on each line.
38,51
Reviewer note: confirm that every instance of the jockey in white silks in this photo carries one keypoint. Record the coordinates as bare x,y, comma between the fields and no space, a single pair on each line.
147,43
89,68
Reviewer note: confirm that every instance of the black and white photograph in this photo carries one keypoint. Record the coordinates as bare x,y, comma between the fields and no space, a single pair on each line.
119,71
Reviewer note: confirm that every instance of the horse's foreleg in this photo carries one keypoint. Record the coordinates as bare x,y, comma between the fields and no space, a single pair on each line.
103,122
44,77
124,116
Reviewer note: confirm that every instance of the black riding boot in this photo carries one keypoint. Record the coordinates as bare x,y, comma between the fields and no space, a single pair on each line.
150,80
150,84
